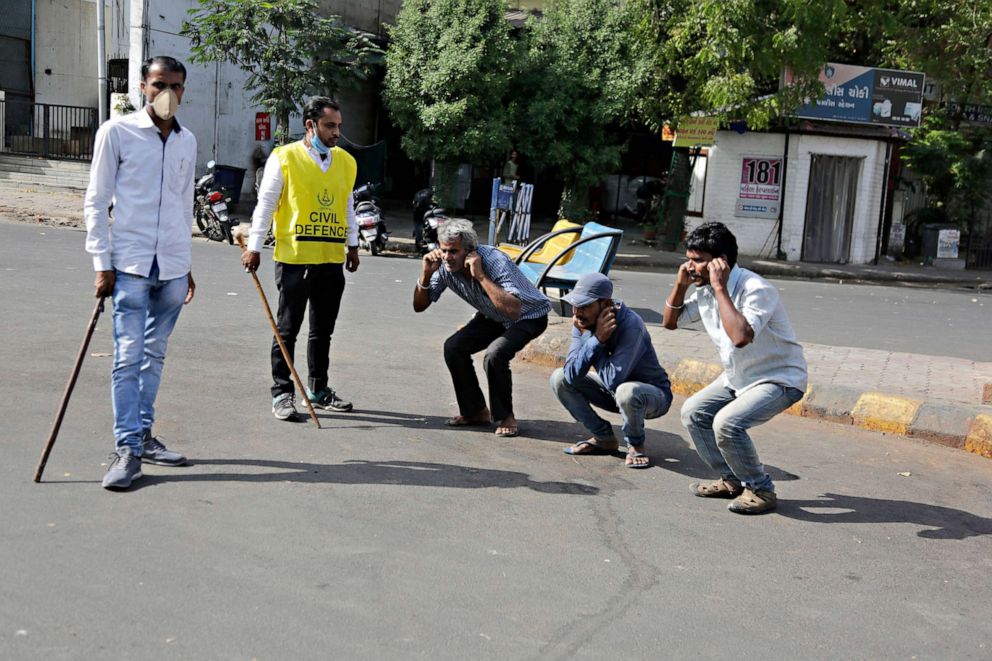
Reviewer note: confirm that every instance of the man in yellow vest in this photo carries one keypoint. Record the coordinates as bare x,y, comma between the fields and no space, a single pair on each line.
306,194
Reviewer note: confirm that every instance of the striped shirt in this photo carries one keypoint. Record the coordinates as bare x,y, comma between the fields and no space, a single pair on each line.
501,270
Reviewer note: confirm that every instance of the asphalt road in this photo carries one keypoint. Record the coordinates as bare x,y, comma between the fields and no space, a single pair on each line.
936,322
387,536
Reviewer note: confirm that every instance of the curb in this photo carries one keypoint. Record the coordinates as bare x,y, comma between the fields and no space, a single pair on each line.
956,425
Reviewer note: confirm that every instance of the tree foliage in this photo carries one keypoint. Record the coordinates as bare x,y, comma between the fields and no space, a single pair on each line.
448,73
725,57
578,80
287,49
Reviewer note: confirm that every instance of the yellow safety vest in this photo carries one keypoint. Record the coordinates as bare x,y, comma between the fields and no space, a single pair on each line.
310,223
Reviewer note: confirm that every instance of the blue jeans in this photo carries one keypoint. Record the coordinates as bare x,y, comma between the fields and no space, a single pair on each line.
145,312
718,421
634,401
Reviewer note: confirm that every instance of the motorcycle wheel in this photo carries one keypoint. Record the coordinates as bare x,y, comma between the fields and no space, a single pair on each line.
374,248
211,227
225,228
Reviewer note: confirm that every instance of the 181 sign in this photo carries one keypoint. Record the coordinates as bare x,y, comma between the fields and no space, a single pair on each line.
761,187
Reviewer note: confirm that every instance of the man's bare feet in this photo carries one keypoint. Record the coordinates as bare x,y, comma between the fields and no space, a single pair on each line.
636,457
480,419
507,427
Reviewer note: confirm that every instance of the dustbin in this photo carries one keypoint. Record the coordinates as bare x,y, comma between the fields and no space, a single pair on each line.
231,178
930,239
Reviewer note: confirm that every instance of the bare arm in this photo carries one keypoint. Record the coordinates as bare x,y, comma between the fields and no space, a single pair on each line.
421,292
676,299
735,325
505,302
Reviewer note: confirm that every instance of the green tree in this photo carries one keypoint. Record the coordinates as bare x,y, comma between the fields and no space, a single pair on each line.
725,57
448,73
287,49
577,82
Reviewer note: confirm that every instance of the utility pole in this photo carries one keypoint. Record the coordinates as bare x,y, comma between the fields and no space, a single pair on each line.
101,56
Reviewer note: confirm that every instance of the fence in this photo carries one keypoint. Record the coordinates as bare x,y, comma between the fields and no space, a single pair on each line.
47,129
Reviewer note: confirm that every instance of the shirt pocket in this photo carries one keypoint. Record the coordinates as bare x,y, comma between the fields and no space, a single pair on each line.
177,172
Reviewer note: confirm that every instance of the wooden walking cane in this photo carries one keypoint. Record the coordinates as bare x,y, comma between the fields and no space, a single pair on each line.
282,346
68,391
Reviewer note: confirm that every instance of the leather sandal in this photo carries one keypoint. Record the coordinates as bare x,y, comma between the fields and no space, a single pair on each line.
753,502
716,489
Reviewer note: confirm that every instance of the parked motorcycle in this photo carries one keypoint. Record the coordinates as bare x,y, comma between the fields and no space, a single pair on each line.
210,208
427,218
372,232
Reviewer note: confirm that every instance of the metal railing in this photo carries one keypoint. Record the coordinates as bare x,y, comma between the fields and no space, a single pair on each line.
47,129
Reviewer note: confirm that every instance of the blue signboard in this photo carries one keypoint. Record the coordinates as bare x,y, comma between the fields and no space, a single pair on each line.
863,95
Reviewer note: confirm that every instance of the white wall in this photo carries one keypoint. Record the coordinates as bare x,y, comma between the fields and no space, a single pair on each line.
65,46
758,236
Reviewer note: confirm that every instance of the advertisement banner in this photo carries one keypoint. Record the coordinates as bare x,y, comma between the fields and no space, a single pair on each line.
863,95
760,193
696,131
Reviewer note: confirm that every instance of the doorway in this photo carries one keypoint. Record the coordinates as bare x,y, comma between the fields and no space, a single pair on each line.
830,200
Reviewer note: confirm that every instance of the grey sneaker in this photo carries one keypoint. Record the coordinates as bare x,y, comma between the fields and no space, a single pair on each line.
154,452
124,469
328,399
282,406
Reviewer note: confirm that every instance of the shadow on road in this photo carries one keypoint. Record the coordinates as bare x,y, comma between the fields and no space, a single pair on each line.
403,473
943,522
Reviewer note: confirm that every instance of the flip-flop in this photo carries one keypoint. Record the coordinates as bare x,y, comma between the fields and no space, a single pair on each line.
510,433
635,454
597,449
453,422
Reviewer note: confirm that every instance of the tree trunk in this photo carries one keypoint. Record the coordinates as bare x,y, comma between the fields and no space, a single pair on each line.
282,128
573,205
676,199
444,184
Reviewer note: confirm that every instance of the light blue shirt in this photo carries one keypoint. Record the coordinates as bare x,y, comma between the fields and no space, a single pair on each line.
774,356
500,269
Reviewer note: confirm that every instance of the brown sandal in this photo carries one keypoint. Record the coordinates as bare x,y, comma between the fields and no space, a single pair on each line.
717,489
753,502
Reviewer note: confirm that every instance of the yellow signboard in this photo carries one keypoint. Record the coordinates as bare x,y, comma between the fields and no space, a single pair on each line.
667,134
696,131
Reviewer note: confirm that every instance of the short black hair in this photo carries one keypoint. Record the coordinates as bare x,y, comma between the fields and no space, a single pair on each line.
164,61
315,107
715,239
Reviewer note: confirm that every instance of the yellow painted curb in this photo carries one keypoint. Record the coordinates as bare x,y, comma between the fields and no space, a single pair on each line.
691,376
979,439
885,413
798,407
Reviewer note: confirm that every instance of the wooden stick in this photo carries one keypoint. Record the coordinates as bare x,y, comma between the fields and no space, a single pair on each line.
68,391
282,346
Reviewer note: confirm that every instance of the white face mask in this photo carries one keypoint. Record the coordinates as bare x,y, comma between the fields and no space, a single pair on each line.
165,104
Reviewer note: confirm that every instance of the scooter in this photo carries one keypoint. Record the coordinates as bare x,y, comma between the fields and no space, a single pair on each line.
210,208
427,218
372,232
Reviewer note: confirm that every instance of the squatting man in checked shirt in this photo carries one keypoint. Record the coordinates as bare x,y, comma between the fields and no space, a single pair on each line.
764,368
510,312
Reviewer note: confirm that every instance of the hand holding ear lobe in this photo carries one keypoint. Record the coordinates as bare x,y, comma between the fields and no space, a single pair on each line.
719,271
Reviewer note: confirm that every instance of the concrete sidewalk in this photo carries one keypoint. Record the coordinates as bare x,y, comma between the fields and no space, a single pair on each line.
933,398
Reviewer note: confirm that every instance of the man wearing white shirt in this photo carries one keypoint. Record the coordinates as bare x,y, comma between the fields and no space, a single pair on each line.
142,164
764,368
306,195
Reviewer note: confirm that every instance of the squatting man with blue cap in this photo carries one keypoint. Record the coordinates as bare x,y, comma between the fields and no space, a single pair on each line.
611,338
764,368
510,312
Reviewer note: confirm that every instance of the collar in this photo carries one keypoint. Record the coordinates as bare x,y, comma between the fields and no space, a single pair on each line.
145,121
734,280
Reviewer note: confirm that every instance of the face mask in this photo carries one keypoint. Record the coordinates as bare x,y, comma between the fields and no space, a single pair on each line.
317,145
165,104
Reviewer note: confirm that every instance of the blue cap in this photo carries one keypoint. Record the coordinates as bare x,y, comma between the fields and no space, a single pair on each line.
590,288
